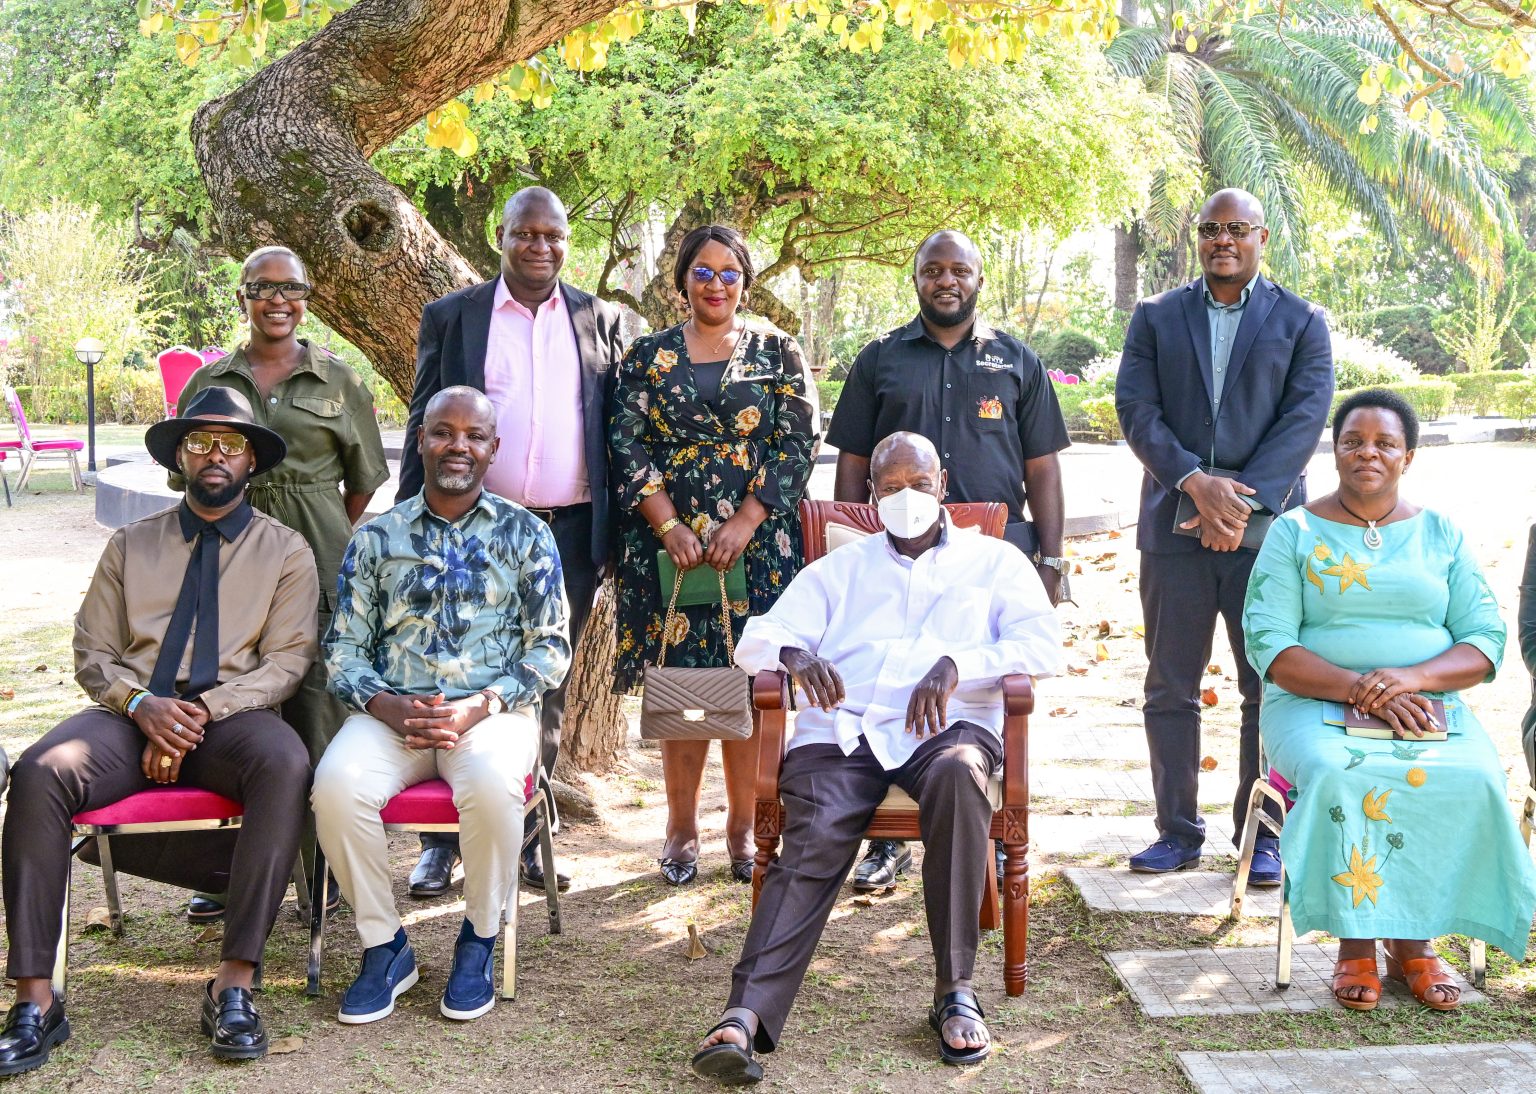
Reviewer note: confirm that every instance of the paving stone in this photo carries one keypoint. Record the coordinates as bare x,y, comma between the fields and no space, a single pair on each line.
1098,743
1241,980
1123,836
1494,1068
1188,892
1107,784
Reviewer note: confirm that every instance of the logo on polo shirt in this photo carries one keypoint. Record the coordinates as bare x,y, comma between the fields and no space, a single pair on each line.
989,407
992,362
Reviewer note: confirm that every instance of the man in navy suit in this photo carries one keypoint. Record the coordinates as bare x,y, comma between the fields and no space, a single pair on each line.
1230,372
545,353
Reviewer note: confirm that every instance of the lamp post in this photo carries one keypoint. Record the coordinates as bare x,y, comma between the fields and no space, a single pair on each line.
89,352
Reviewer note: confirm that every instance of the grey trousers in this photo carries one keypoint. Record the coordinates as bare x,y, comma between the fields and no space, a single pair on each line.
829,799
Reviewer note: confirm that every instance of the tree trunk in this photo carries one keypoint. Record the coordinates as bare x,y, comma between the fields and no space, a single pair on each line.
595,726
1127,254
824,316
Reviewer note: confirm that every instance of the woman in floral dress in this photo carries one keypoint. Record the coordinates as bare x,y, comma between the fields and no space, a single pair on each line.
712,429
1364,599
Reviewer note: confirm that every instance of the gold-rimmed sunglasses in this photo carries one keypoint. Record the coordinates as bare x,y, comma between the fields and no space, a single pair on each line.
200,442
1237,229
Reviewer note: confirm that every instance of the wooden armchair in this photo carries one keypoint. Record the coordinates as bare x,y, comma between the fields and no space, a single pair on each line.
896,818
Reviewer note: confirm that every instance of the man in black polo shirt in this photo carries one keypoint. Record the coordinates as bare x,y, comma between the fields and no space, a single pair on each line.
984,400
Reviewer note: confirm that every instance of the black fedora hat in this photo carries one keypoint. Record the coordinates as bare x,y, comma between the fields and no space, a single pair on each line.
215,406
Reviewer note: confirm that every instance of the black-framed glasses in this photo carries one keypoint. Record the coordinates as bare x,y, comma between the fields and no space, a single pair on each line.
705,274
1237,229
200,442
551,239
267,290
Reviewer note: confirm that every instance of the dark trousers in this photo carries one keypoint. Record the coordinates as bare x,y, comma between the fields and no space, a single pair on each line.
92,760
572,526
828,801
1182,594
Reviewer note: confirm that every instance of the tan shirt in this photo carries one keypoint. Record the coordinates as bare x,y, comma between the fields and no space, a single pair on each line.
267,597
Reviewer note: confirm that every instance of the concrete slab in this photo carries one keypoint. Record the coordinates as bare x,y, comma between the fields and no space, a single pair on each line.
1123,836
1109,784
1241,980
1188,892
1494,1068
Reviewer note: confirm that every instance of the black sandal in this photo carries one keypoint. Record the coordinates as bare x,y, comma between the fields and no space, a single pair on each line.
959,1004
676,871
728,1064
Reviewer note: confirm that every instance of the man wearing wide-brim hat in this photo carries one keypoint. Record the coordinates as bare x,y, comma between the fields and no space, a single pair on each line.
185,682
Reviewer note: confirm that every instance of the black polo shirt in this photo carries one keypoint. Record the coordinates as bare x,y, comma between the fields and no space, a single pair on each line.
987,406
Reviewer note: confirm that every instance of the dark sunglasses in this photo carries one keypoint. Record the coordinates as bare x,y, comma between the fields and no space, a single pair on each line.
1237,229
266,290
200,443
704,275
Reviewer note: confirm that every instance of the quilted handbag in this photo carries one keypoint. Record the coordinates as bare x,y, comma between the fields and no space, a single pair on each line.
682,704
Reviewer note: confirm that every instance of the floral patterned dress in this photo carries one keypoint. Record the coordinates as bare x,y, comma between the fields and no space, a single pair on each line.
1386,839
756,435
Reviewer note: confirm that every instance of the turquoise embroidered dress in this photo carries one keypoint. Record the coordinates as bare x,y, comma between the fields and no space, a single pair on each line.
424,606
1386,839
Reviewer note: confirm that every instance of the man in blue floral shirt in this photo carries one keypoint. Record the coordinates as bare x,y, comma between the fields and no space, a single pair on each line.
450,624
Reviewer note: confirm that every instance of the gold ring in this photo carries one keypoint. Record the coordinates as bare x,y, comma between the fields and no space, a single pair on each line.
165,761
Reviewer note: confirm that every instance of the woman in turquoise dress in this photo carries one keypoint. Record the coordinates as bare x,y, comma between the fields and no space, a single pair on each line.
1364,599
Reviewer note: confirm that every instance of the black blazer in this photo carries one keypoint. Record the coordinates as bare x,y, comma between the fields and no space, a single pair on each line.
1274,403
1527,624
450,350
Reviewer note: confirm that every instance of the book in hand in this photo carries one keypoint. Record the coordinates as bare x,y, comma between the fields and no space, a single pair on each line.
1374,728
1253,532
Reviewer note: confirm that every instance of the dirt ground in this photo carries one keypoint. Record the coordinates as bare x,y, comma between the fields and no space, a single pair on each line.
613,1003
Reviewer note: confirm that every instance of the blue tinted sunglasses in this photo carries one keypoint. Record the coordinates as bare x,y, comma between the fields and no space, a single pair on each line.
704,275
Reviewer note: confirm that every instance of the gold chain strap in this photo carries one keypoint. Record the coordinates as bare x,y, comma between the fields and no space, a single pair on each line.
725,618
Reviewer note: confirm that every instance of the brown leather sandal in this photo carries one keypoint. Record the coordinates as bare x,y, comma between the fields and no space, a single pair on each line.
1422,974
1356,972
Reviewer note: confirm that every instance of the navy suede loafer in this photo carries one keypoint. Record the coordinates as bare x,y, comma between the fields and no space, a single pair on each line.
471,989
1165,856
1265,871
384,977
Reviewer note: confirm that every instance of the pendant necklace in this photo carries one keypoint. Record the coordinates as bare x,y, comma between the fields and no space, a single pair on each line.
720,343
1372,534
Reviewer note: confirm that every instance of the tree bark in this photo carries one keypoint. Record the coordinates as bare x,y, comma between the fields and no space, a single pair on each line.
595,726
1127,255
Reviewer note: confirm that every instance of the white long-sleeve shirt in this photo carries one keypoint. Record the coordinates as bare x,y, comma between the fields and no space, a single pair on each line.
883,620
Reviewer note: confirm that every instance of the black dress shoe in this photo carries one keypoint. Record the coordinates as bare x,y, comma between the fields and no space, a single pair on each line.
204,909
531,870
233,1024
884,862
434,872
30,1035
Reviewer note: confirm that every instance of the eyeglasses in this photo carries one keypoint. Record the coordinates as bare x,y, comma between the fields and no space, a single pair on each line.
266,290
552,239
1237,229
704,275
200,443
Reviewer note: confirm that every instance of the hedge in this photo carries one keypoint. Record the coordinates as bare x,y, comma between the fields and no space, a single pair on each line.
1518,400
829,391
1478,392
1430,399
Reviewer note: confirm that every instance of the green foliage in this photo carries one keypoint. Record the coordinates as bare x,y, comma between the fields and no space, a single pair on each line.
1074,398
829,391
1518,400
1070,351
1359,362
1480,392
1102,417
1430,399
135,396
1474,334
1408,330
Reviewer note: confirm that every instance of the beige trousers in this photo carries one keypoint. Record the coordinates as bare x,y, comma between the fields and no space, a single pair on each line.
368,763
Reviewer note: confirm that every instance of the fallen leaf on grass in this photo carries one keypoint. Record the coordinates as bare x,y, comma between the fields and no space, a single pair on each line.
1105,627
1064,642
1208,764
1100,652
1113,534
1208,697
696,947
209,934
41,668
7,693
1078,568
1128,703
284,1045
1213,669
1063,712
98,919
1138,630
1078,670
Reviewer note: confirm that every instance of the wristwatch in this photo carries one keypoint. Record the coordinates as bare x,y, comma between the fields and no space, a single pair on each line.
1062,568
494,704
666,526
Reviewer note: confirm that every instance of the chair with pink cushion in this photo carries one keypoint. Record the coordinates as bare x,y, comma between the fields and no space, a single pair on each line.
177,365
3,478
428,807
158,809
32,450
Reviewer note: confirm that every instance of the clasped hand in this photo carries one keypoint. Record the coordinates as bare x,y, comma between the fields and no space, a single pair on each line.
927,709
726,544
1393,696
1223,515
174,728
429,721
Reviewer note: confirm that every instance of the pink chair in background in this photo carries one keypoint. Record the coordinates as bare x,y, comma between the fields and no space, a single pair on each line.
3,479
177,365
33,451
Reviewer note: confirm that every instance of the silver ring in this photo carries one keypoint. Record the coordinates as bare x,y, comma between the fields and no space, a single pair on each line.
1381,687
176,729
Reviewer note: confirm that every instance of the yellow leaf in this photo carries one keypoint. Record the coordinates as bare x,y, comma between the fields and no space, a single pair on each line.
1456,63
187,48
1191,44
152,25
468,144
839,24
1041,23
1369,93
1437,123
485,92
1100,652
1418,111
922,23
542,98
1368,126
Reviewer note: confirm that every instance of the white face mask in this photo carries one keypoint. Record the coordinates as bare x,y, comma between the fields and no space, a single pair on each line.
908,513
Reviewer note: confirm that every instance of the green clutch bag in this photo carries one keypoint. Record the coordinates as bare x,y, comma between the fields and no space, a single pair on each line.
700,584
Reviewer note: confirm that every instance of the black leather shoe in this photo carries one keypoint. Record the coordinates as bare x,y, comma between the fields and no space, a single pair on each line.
1001,862
204,909
233,1024
434,872
531,870
30,1035
884,862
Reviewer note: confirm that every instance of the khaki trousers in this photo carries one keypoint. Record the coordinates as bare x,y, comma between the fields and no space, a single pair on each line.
368,763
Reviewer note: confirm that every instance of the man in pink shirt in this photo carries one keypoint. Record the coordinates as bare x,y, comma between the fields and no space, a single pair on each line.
545,354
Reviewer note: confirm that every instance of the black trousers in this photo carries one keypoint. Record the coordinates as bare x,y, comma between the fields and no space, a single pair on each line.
92,760
828,801
572,526
1182,595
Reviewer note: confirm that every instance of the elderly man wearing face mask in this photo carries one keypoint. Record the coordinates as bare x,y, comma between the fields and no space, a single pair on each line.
898,645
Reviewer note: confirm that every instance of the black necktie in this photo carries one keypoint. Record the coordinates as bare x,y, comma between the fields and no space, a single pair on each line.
199,599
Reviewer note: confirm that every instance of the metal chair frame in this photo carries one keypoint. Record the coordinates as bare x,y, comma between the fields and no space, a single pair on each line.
30,455
102,833
537,802
1477,952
